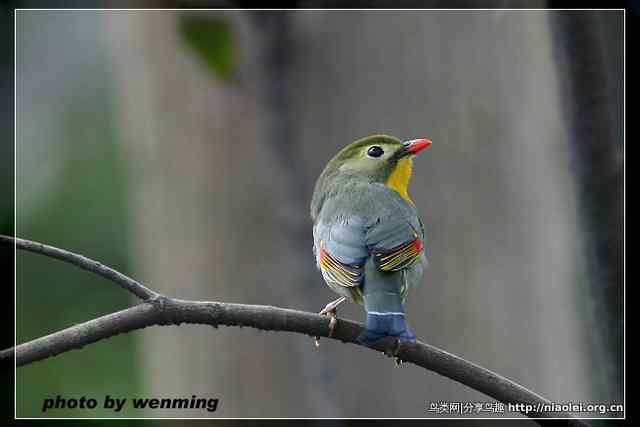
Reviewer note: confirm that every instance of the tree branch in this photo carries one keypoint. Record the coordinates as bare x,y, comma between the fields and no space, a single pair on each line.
85,263
162,310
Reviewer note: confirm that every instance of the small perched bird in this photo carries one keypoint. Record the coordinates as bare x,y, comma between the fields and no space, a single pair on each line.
368,238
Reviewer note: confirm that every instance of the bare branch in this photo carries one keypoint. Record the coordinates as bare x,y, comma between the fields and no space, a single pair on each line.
161,310
85,263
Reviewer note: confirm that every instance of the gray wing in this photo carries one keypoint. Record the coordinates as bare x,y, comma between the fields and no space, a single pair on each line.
341,250
395,242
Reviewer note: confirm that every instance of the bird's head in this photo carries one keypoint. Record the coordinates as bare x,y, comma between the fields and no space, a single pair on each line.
379,158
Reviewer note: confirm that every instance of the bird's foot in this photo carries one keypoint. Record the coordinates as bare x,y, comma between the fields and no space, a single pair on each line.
332,324
396,352
330,310
333,306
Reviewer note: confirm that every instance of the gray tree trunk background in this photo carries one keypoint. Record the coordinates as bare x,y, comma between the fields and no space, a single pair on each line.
221,174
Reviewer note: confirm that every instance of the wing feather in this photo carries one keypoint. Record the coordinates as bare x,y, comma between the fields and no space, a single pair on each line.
347,275
400,257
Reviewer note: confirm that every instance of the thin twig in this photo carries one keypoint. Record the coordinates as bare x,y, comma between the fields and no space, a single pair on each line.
161,310
85,263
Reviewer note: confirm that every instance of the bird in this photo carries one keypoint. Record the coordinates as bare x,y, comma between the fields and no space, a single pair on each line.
368,239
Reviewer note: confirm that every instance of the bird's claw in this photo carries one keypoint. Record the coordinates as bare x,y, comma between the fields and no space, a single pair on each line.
332,324
332,306
330,310
396,358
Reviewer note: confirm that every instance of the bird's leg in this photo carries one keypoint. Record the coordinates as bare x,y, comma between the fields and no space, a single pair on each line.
333,306
330,310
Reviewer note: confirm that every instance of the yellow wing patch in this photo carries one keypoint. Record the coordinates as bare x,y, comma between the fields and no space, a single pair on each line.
344,274
399,257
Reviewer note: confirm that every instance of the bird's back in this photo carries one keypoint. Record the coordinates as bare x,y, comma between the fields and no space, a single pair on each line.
357,221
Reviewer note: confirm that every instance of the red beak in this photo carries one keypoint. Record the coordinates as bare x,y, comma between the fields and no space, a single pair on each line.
416,145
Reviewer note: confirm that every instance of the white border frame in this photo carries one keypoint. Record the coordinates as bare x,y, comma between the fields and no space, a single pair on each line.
624,204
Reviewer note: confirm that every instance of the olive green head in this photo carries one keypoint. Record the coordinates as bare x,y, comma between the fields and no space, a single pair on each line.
380,159
375,157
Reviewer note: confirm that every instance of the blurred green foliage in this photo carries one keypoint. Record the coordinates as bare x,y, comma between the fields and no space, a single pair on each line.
211,39
83,210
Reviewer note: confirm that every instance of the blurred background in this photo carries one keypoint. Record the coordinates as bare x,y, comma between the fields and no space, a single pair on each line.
181,148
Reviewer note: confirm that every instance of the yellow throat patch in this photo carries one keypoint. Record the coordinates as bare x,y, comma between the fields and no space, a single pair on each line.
399,178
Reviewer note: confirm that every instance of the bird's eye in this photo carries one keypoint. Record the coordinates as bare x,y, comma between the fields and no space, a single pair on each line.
375,151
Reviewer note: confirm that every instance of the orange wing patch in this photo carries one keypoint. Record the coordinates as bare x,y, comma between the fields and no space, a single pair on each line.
344,274
400,257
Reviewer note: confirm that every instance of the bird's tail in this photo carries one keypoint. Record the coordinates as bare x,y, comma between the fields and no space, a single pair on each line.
383,304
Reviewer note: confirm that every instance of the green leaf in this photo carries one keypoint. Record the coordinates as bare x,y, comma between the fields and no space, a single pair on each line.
211,39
